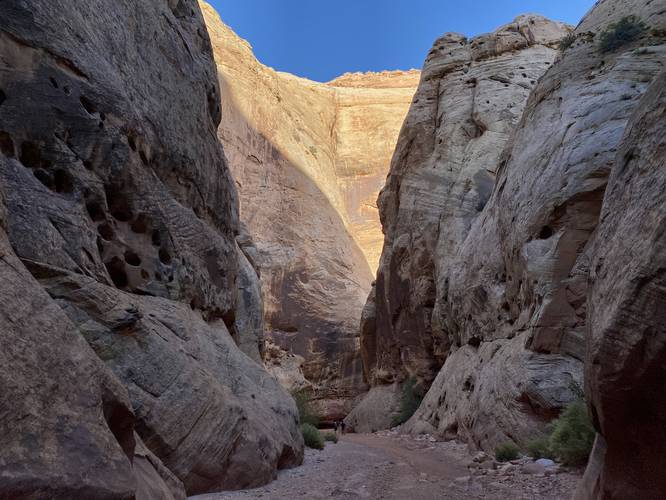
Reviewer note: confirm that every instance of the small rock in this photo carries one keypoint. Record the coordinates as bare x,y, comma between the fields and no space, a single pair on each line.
481,457
488,465
508,469
534,468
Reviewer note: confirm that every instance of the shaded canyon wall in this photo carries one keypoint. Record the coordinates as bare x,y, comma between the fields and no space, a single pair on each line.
123,284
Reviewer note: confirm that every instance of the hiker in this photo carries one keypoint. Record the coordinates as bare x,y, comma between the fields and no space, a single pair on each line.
335,426
342,426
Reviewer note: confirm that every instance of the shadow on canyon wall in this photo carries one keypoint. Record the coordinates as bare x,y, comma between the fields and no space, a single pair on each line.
315,278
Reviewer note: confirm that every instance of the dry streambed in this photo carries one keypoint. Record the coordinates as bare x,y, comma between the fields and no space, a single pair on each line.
390,466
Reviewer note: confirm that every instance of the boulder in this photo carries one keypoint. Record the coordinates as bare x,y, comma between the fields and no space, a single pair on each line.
377,409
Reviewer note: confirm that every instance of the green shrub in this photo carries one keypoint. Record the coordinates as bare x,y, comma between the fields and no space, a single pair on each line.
539,448
506,451
305,413
412,395
626,30
331,436
573,435
567,42
312,437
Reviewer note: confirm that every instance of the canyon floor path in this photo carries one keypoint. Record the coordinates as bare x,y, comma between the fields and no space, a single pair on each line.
394,467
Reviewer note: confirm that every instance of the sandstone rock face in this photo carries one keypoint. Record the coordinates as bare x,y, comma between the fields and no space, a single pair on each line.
286,367
376,410
471,96
66,426
121,226
626,325
510,300
528,300
309,159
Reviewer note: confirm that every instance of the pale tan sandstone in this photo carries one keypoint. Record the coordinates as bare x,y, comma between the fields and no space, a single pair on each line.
490,389
470,98
286,367
513,304
309,159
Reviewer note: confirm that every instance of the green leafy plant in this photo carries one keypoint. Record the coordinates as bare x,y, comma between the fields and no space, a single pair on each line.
412,395
626,30
506,451
539,448
573,435
305,413
312,437
331,436
567,42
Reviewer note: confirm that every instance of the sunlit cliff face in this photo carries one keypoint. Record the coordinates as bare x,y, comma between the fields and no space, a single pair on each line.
339,134
309,160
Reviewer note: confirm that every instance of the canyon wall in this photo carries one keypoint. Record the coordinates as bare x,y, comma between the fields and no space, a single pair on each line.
309,159
123,283
471,96
515,268
625,367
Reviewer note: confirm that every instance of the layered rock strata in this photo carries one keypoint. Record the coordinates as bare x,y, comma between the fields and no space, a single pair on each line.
515,301
309,159
124,284
470,98
520,266
626,321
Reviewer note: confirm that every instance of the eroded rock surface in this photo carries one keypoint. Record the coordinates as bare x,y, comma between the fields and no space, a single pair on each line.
626,325
377,409
514,300
122,215
508,296
309,159
470,98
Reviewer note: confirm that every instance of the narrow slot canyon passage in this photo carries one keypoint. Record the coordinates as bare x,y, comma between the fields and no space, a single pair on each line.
235,266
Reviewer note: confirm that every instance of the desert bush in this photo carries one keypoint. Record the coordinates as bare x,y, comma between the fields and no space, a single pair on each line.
567,42
411,398
305,413
626,30
331,436
539,448
506,451
312,437
573,435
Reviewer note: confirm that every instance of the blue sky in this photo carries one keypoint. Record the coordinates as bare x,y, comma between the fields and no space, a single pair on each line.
321,39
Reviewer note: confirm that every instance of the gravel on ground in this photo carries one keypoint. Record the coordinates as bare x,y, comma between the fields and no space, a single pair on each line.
391,466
